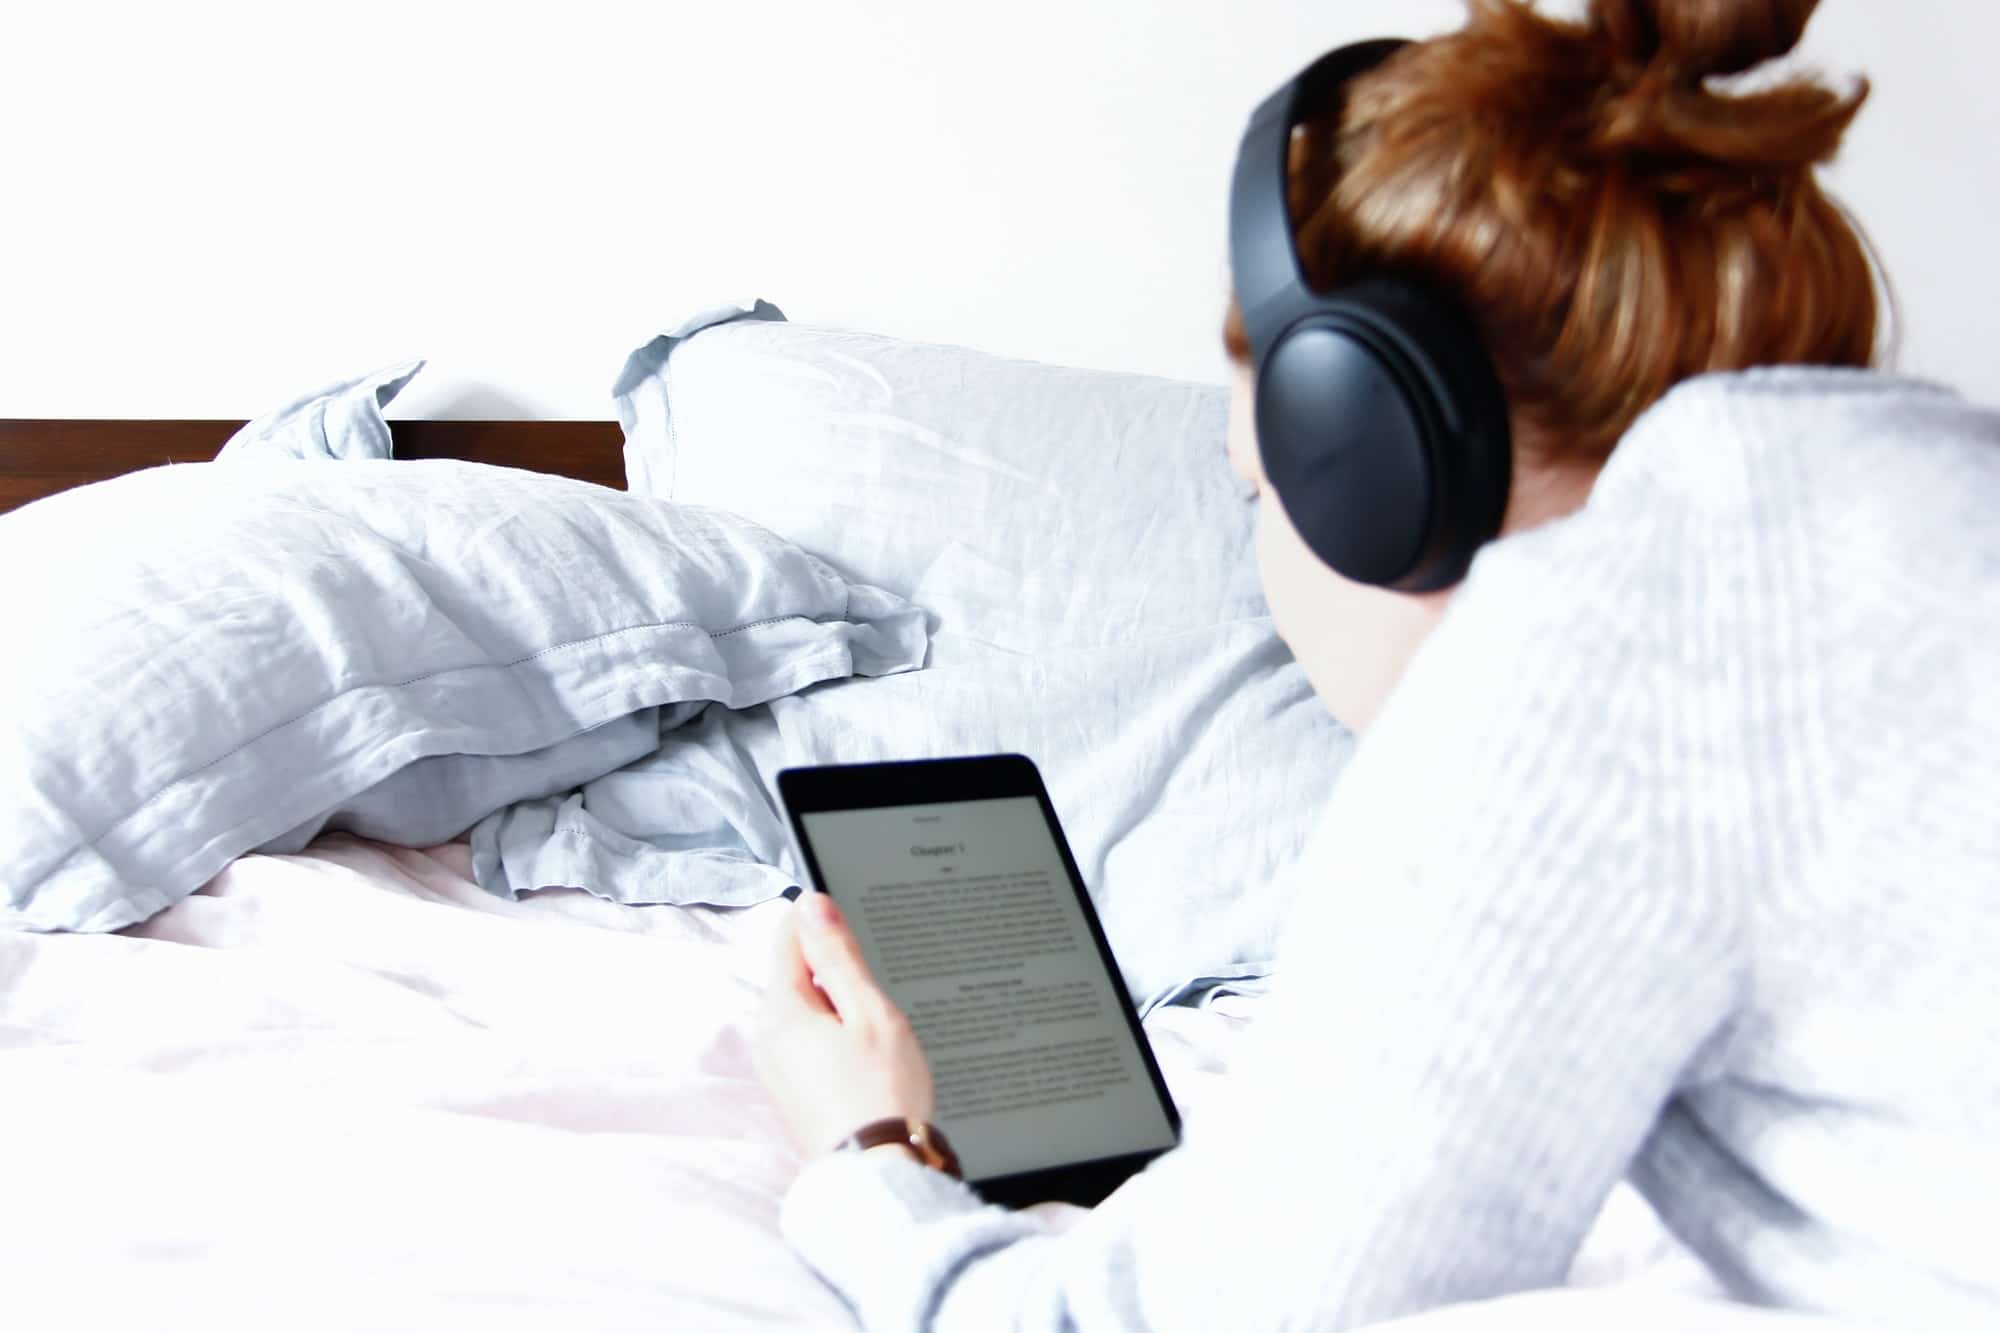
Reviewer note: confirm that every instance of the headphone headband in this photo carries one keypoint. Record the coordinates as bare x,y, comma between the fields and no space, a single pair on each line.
1271,288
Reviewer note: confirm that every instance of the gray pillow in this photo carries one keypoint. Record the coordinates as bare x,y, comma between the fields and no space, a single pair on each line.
213,658
1030,508
1088,561
342,420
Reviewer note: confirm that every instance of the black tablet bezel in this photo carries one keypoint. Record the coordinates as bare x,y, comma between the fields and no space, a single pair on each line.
834,787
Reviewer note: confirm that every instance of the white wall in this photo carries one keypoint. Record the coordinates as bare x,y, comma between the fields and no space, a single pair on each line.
208,207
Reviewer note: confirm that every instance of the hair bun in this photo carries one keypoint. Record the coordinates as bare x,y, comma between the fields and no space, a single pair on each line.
1654,102
1697,38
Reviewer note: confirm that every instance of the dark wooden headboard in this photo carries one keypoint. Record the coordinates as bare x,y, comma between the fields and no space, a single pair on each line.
41,457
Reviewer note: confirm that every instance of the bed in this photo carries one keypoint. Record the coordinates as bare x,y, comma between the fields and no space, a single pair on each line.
435,1082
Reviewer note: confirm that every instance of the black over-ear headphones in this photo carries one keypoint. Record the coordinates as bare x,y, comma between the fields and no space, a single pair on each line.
1381,423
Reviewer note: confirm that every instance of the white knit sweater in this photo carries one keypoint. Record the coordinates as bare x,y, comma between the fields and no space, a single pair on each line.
1675,855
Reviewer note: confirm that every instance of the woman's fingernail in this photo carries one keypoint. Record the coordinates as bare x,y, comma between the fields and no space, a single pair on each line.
791,894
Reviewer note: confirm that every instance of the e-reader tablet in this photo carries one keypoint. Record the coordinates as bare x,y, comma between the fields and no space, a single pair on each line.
956,878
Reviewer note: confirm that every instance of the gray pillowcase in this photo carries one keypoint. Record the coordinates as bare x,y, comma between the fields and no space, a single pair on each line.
1088,560
342,420
213,658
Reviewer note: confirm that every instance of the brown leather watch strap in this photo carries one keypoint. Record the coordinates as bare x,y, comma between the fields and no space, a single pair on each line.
921,1137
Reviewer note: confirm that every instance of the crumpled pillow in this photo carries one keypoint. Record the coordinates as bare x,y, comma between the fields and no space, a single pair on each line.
1088,559
209,659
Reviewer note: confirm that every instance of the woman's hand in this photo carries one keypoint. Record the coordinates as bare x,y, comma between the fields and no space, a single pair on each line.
836,1054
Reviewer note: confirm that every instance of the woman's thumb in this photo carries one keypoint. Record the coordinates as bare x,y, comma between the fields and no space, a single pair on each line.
833,953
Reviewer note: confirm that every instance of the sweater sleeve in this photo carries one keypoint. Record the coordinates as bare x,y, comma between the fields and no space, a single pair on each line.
1512,945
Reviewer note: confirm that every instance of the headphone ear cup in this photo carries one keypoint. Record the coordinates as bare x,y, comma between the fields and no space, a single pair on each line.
1345,452
1388,438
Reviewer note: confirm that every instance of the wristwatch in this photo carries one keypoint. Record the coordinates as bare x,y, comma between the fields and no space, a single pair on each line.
923,1138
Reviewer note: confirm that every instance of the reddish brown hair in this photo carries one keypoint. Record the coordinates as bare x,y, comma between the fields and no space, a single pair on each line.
1614,222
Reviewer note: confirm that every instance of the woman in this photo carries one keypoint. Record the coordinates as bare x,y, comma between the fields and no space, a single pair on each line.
1672,853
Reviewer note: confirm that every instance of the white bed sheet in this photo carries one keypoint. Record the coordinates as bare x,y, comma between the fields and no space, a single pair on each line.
348,1089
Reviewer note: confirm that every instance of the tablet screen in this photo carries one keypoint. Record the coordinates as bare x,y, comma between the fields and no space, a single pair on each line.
967,917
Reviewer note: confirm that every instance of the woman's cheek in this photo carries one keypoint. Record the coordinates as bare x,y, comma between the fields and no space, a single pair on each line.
1353,640
1305,600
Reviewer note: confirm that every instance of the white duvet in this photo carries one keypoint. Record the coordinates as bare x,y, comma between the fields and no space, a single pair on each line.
349,1090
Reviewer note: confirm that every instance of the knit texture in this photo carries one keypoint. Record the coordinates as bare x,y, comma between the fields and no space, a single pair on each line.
1675,855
